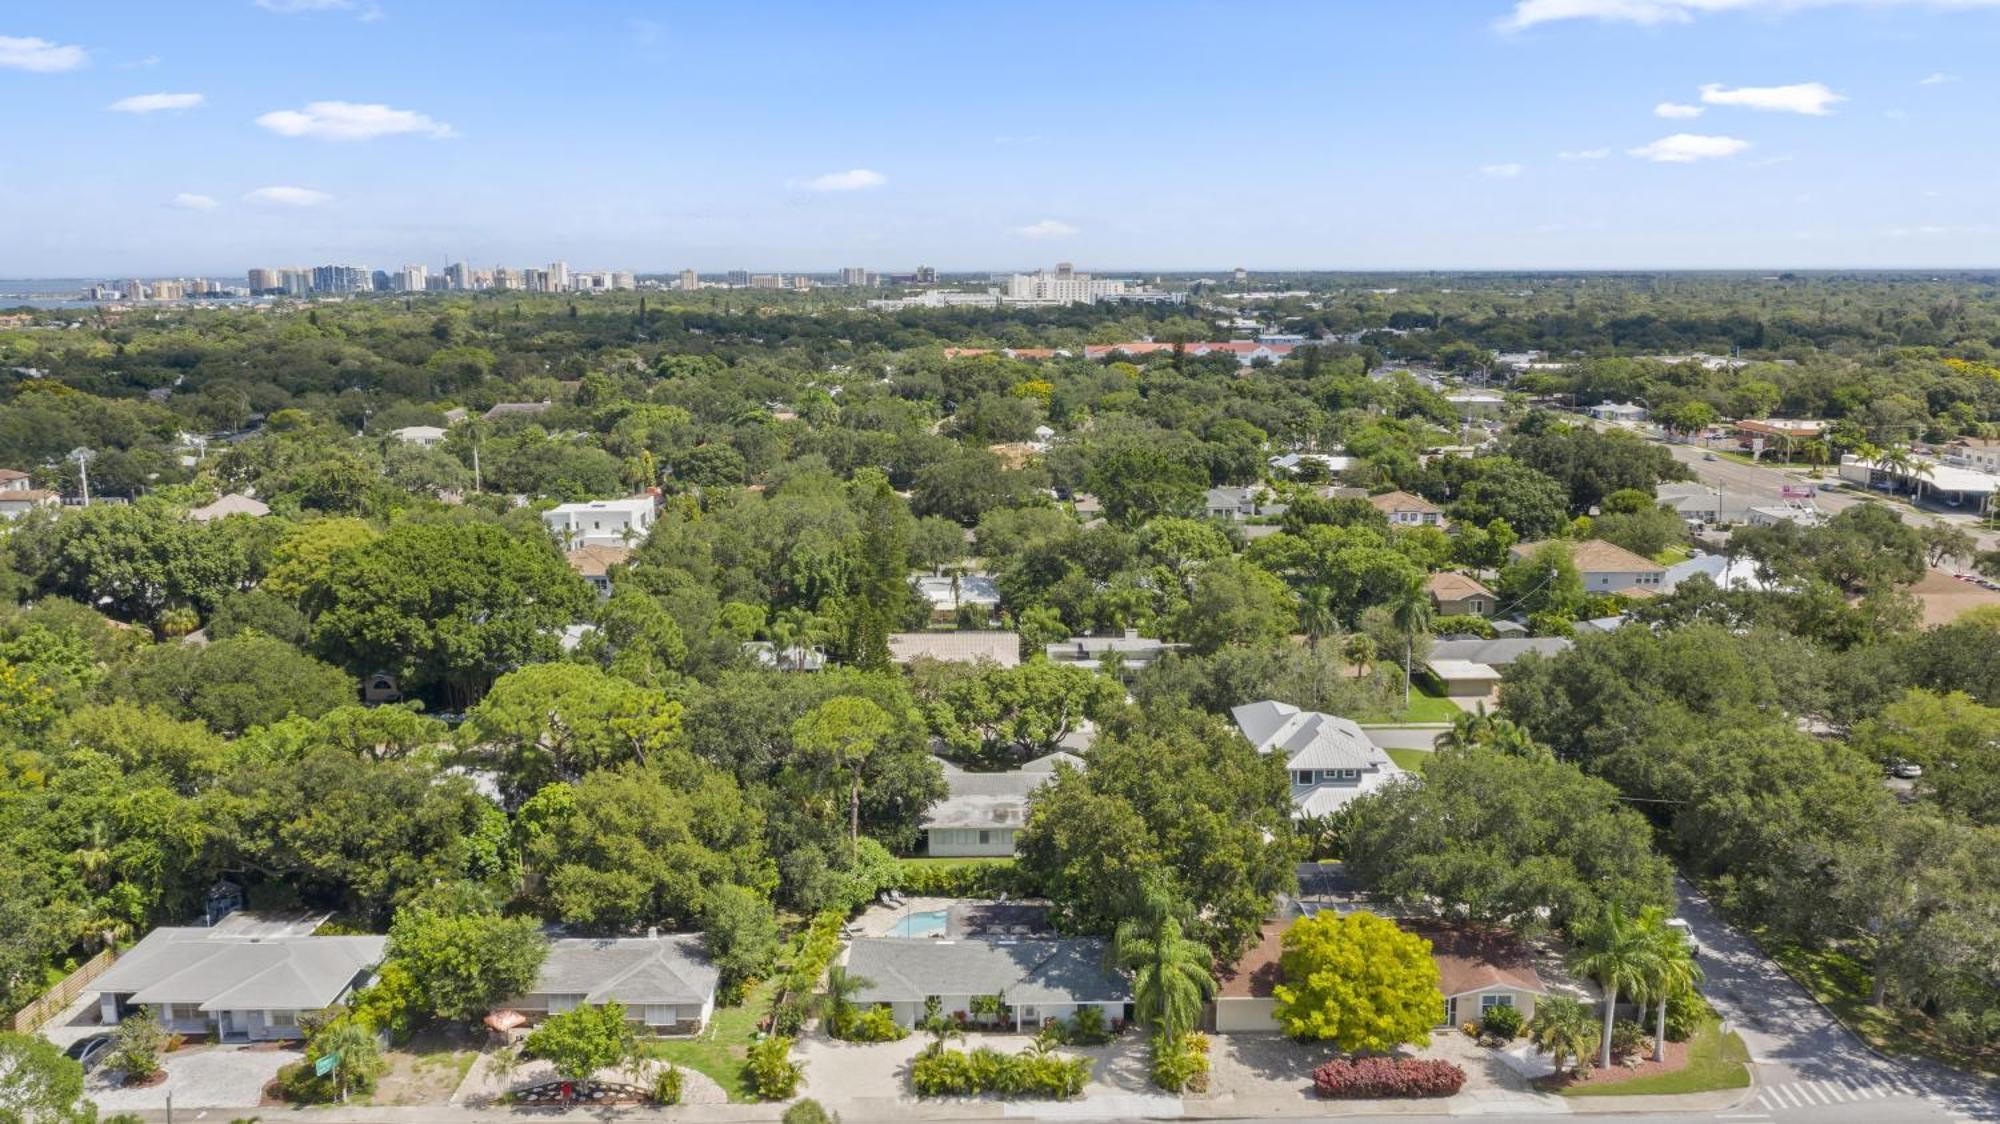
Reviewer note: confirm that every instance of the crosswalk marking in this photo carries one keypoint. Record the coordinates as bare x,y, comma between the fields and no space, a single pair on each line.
1844,1089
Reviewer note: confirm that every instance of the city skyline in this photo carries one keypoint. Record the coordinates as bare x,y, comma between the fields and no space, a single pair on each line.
1497,134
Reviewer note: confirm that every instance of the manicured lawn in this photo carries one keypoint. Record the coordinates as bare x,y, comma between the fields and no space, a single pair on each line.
719,1051
1844,985
1426,707
1715,1061
1410,760
1673,555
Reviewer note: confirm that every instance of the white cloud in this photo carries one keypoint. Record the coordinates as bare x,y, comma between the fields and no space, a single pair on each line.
284,196
1047,228
189,201
38,55
1528,13
1584,154
1676,111
1500,171
854,179
1810,98
1686,148
154,103
350,121
1938,78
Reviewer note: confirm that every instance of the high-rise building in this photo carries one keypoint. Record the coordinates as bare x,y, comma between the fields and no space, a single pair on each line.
926,275
800,282
1064,286
620,279
508,280
264,280
458,275
536,280
382,281
296,282
341,279
413,279
558,276
856,277
690,280
767,280
738,278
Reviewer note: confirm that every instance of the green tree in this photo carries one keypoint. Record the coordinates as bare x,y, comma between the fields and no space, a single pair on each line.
1613,948
137,1044
557,721
1234,601
1410,614
845,732
233,685
464,963
740,935
1673,975
582,1041
1561,1028
358,1060
1544,580
837,997
1357,981
881,574
38,1085
1170,973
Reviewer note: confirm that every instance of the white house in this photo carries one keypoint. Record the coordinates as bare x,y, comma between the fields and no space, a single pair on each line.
623,522
249,977
1330,759
948,593
1405,510
1606,567
1618,412
231,504
665,982
423,436
983,812
1036,980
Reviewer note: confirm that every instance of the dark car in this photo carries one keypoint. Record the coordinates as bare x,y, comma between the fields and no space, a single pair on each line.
88,1050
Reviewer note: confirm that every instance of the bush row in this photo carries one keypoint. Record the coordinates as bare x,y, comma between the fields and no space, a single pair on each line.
1180,1064
961,880
1373,1078
1034,1073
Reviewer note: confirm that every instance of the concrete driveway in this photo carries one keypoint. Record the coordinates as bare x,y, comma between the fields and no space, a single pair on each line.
202,1077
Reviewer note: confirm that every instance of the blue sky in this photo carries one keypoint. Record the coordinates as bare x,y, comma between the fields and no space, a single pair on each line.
1168,135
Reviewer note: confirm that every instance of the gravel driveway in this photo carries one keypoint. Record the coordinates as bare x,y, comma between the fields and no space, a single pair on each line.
211,1077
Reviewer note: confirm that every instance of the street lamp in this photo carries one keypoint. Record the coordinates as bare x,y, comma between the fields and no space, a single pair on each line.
83,457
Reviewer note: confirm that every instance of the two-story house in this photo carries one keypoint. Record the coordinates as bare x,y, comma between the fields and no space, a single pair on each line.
1330,759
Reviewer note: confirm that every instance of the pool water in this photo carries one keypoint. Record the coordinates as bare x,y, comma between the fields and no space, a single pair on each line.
929,924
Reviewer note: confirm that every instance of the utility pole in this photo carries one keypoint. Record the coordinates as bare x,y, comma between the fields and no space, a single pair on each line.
83,457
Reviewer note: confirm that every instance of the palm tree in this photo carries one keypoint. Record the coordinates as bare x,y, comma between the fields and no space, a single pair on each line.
1410,613
1612,949
837,999
1561,1029
1894,462
1817,454
1360,651
1673,974
1170,976
1317,615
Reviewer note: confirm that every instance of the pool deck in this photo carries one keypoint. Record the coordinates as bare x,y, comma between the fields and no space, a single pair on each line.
965,917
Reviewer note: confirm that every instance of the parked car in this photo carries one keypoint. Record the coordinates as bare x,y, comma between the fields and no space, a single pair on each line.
1829,485
1708,456
1906,770
86,1051
1687,933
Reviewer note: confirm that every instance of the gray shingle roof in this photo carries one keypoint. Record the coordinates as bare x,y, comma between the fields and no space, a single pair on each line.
1024,972
1500,652
631,970
1307,739
219,971
992,799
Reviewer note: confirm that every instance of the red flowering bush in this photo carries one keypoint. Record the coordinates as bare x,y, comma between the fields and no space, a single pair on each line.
1374,1078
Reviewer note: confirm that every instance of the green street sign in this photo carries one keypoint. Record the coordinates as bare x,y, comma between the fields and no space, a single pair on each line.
325,1064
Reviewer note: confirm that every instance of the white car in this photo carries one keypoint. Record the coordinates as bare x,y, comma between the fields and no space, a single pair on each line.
1687,933
1907,770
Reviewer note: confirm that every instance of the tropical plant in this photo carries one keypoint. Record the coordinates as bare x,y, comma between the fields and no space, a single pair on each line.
808,1111
667,1085
1180,1063
1383,1078
988,1008
1563,1029
1319,615
1358,981
1673,972
580,1042
1170,973
1501,1022
1359,649
837,998
770,1072
137,1045
1410,614
1612,948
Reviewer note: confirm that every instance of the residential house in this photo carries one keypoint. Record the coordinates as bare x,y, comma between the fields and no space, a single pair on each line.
1037,980
1478,968
248,978
1335,464
1607,567
798,657
948,593
380,689
1980,453
1499,652
1618,412
1330,760
516,409
1698,503
18,495
1236,504
1003,648
665,982
983,812
232,504
1464,679
1132,652
1724,571
14,480
1477,403
1770,515
1406,510
1459,595
601,522
422,436
593,564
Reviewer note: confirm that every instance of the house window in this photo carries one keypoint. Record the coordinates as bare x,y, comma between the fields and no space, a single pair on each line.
985,837
281,1018
1488,1002
1303,776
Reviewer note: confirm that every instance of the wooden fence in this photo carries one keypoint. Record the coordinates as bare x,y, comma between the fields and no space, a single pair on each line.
52,1002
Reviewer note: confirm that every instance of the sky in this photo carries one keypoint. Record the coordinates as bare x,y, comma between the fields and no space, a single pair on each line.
149,139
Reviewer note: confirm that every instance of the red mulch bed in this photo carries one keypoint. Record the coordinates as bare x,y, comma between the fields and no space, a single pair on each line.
1677,1058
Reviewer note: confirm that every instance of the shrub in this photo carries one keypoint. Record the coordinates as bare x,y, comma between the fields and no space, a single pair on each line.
1037,1072
809,1111
943,1073
1627,1038
877,1024
667,1085
1685,1013
1503,1023
960,880
1181,1064
1380,1078
1088,1028
770,1071
139,1042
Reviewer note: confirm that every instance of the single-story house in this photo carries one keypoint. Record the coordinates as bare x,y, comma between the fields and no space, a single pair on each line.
1477,967
948,594
1466,679
983,812
1406,510
1236,504
1498,652
1333,463
1133,651
16,502
1003,648
422,436
515,409
798,657
593,564
1037,980
664,981
1699,503
247,978
232,504
1330,760
1459,595
14,480
1724,571
1618,412
1606,567
1770,515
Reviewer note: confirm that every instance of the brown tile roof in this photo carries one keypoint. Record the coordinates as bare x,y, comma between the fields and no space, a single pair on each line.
1404,501
1469,959
596,561
1453,586
1595,556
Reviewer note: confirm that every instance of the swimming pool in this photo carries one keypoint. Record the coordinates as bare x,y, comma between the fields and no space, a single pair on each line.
927,924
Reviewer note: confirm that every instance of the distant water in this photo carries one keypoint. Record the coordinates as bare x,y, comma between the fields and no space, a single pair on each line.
57,292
